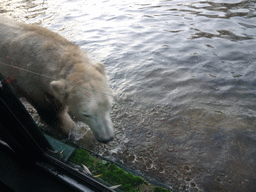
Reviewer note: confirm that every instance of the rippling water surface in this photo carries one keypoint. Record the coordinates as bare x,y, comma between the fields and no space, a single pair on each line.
183,75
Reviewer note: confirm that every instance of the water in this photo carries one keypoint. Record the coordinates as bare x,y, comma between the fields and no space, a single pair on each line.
183,75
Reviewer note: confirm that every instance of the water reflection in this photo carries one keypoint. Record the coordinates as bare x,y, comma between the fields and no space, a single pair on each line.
23,9
222,34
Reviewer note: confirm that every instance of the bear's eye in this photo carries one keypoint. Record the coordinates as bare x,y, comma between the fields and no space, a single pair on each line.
84,114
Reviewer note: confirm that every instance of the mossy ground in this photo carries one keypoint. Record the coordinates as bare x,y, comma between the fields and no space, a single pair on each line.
113,174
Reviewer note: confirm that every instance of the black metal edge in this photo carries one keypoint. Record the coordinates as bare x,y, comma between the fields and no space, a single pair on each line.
18,112
78,176
22,162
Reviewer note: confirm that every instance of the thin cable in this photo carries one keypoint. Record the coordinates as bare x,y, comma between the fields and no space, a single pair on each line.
26,70
13,66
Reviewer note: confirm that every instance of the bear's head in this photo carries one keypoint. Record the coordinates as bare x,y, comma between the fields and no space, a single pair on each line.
88,98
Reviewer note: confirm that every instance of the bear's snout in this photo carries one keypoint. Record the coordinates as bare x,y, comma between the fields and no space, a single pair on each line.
102,127
105,135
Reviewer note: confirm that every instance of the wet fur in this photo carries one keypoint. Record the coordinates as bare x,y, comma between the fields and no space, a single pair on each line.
44,52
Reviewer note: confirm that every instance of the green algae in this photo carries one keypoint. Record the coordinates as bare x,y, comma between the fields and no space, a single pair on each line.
112,174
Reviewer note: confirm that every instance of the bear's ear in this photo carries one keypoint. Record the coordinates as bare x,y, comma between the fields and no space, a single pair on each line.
60,89
100,67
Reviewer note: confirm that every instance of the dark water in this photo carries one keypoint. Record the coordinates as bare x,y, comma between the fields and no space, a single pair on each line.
183,74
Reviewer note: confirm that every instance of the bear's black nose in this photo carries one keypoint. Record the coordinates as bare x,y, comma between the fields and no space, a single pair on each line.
106,140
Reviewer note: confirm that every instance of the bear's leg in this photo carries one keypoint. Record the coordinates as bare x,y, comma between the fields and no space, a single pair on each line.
51,111
54,114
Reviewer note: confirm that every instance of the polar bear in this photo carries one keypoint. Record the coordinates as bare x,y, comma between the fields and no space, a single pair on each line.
56,77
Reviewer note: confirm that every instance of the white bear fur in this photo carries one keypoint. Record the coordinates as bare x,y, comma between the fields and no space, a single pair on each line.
56,77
